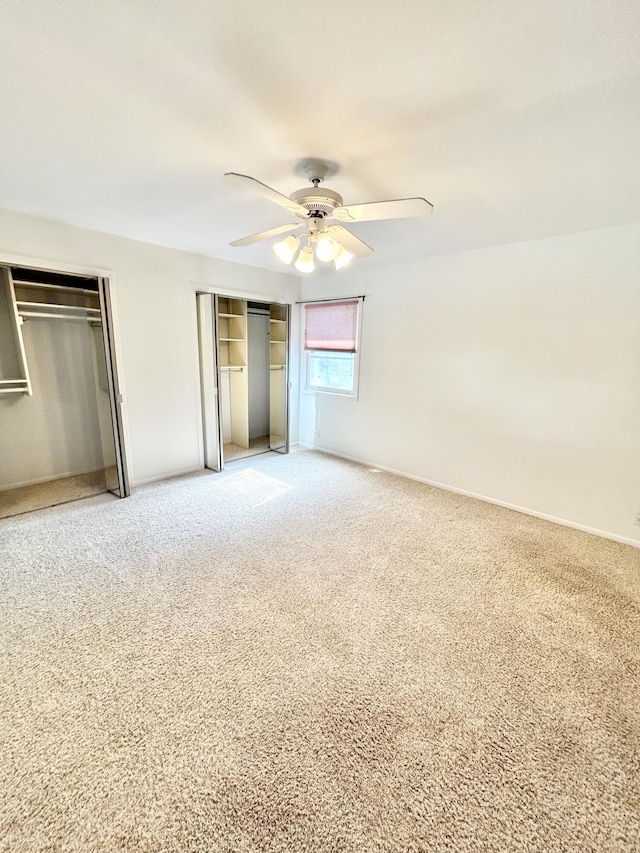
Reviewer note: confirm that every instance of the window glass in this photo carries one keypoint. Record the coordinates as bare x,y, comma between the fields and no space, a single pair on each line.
330,371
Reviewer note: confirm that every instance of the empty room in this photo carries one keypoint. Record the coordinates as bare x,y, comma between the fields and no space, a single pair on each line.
319,427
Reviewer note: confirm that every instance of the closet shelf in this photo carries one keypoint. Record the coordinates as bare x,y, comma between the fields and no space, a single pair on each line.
14,386
232,339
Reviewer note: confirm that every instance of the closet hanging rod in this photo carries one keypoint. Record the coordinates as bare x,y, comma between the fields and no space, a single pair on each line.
65,287
228,368
276,367
28,315
60,309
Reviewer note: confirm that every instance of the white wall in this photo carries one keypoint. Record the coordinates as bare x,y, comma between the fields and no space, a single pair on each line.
156,333
258,376
65,427
511,373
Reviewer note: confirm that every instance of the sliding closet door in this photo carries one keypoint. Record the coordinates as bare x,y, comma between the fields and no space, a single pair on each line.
116,474
279,378
207,307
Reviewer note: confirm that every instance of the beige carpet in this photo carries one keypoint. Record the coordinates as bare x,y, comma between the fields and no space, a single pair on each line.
301,654
52,492
233,451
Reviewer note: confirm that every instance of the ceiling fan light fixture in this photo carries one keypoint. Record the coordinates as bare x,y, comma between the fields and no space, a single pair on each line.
286,249
317,207
342,258
304,261
327,248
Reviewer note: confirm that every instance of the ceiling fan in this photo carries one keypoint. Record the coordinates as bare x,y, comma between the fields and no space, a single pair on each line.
319,209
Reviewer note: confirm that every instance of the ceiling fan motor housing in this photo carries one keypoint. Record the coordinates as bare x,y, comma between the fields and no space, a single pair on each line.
317,201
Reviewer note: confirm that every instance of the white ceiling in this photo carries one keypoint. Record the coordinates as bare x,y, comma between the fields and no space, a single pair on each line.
516,120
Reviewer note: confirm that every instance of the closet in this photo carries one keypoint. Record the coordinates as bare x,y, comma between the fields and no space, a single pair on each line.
60,419
243,366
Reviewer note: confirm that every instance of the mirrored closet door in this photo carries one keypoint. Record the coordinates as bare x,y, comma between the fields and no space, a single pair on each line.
60,419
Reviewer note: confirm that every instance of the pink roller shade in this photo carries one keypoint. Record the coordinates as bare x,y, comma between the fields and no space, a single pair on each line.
331,326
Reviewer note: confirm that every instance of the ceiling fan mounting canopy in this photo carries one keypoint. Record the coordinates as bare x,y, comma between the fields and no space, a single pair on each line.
315,169
316,207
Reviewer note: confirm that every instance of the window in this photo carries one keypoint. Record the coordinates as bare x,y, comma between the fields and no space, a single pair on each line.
330,342
330,371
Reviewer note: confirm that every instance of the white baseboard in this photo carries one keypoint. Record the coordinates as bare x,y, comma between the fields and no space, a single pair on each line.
60,476
171,476
604,534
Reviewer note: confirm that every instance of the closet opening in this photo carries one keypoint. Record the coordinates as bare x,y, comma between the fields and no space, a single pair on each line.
244,377
60,407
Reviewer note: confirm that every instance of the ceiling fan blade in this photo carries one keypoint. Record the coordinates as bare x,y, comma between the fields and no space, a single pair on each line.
264,235
353,244
399,208
268,193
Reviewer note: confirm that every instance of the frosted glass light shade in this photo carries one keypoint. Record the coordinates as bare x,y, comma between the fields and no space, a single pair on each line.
304,262
287,248
342,258
326,248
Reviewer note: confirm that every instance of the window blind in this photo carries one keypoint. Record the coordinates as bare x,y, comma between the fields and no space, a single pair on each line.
331,326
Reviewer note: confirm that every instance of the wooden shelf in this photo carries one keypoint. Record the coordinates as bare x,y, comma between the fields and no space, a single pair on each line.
278,313
232,340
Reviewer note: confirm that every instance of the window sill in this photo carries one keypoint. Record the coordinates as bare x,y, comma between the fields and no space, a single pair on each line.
311,392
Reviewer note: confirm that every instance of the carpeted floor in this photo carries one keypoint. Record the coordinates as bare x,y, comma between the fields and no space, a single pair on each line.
52,492
235,451
303,654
